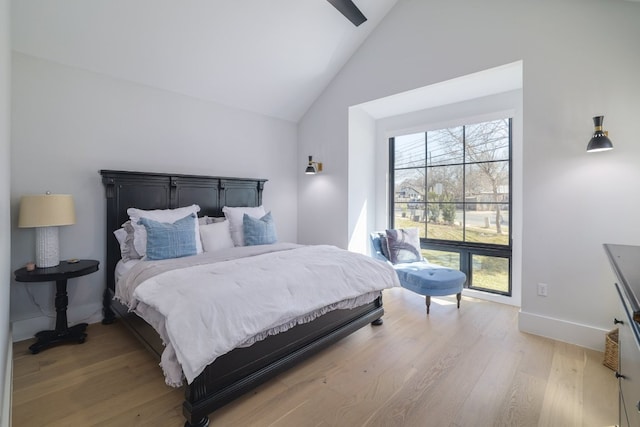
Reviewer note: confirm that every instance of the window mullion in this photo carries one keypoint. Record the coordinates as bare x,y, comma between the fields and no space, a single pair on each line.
392,181
426,185
464,184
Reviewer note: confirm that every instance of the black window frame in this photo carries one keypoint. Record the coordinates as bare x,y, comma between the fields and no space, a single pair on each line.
466,250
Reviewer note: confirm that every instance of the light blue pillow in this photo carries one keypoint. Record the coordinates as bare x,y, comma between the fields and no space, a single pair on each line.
170,240
259,231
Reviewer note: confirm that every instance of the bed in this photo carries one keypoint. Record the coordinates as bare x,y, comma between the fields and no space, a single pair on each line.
241,369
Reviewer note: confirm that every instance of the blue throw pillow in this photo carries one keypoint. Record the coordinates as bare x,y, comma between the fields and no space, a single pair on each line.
165,240
259,231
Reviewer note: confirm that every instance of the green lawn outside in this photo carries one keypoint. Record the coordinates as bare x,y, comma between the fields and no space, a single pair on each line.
490,273
454,232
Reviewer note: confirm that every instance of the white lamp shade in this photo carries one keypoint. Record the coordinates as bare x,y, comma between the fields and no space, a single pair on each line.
46,210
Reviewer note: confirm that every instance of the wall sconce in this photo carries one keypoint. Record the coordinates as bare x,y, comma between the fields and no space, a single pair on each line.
313,167
45,213
600,140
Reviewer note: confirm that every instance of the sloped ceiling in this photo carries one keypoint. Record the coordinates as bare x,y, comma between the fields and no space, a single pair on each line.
272,57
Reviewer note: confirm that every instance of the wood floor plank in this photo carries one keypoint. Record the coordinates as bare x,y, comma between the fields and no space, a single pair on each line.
597,382
563,402
437,392
490,391
522,404
450,368
82,399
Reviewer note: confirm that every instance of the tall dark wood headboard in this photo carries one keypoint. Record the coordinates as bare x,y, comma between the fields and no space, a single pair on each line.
147,191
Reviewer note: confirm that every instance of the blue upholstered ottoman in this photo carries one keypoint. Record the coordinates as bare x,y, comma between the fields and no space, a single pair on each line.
431,280
423,277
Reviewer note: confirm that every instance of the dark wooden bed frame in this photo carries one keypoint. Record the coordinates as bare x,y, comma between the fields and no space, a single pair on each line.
240,370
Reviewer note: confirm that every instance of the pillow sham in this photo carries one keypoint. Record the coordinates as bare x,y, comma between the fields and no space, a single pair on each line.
124,236
259,231
160,215
121,237
403,245
130,249
235,216
216,236
170,240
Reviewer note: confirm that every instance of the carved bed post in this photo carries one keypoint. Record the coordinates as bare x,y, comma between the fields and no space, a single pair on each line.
108,314
379,321
204,422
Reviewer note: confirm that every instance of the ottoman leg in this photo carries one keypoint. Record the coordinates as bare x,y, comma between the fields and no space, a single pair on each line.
459,297
427,300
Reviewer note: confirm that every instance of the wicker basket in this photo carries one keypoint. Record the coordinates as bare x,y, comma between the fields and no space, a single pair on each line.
611,350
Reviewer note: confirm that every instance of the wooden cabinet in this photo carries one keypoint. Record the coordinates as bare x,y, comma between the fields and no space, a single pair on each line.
625,261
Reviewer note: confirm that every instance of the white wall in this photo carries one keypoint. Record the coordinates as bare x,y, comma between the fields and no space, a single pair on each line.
5,241
362,176
572,201
69,123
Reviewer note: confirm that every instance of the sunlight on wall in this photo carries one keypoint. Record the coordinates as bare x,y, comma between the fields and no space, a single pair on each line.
359,237
362,176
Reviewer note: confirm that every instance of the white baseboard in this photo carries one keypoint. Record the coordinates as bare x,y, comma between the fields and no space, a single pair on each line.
562,330
5,412
26,328
487,296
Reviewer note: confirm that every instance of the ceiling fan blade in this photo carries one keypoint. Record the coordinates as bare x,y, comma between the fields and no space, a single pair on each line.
349,10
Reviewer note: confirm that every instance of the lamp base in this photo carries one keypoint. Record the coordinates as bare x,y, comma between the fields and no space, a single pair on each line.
47,249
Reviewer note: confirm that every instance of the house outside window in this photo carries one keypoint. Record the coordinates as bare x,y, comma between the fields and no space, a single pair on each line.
454,185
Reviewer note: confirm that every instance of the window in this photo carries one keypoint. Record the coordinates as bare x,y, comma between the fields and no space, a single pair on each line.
454,184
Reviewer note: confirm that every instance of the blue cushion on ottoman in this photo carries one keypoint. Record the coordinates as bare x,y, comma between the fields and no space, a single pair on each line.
428,279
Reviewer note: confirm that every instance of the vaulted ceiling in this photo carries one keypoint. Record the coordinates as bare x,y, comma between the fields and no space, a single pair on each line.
272,57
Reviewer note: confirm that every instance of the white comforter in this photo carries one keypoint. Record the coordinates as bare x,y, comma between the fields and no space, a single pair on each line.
212,303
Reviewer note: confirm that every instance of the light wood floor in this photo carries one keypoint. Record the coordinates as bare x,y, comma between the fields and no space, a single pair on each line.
453,368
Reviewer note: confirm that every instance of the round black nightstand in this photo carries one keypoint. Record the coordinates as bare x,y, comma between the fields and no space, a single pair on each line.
60,273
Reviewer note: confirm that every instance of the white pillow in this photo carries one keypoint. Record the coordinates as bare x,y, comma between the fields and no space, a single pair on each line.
235,215
160,215
216,236
125,236
121,236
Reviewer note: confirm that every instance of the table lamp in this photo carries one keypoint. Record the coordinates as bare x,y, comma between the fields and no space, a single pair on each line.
46,212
